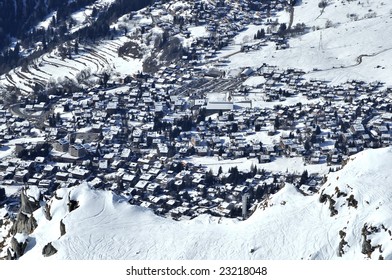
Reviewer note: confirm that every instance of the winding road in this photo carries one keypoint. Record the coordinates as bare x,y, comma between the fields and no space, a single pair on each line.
359,61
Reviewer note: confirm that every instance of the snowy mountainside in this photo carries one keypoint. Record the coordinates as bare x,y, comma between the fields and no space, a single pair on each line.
344,41
349,218
50,69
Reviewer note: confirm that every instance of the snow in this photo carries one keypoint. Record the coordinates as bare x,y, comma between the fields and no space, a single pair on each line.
293,165
83,17
257,98
254,81
287,225
51,69
247,35
8,148
26,140
332,53
12,190
21,237
5,151
84,129
33,192
198,31
214,163
263,136
106,227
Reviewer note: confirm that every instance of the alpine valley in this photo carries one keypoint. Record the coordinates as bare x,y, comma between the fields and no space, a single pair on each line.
196,130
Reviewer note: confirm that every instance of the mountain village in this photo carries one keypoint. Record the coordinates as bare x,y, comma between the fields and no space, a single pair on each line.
137,136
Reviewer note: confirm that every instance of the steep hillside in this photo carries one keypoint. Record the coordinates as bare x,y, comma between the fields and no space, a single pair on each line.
29,29
349,218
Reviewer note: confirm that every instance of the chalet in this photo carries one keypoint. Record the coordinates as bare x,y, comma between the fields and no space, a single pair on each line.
49,169
21,176
141,185
46,183
153,188
77,151
62,176
357,129
80,173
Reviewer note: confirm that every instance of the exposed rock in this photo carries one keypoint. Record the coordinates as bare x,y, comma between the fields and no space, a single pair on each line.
342,243
62,228
352,201
341,194
10,254
367,248
17,247
48,216
72,205
332,206
57,197
364,231
28,204
24,223
323,198
49,250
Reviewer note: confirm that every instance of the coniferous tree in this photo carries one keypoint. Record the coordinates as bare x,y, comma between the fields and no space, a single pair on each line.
304,177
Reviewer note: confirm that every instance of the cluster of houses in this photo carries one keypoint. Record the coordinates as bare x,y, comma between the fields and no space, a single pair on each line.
222,21
139,139
351,116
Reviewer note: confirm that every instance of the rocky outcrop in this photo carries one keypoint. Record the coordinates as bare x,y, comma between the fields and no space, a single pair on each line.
10,254
49,250
352,201
72,204
326,197
28,204
24,224
367,248
331,206
342,243
62,228
18,247
47,214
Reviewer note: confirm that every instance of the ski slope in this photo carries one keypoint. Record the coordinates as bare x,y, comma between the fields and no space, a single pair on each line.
287,226
346,41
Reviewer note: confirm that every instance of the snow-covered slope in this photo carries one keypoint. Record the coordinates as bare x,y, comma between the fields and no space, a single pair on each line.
354,205
346,41
50,68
